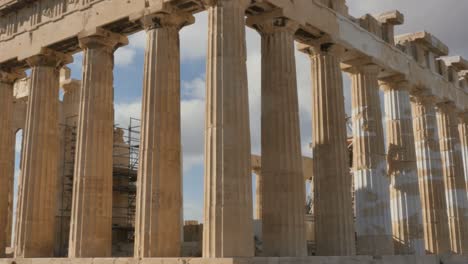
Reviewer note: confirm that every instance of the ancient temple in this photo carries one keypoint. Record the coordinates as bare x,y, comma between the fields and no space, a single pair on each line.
403,201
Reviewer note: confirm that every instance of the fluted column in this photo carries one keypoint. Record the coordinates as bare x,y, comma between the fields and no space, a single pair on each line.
91,216
228,227
371,183
159,189
402,169
463,131
7,152
283,190
431,181
258,195
452,168
334,225
34,233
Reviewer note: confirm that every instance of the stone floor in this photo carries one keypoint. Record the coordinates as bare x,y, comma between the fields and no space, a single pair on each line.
305,260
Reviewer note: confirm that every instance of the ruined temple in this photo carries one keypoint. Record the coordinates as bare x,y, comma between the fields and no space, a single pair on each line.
404,200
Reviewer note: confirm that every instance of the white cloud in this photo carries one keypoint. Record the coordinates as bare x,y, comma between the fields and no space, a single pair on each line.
193,42
194,89
124,56
18,141
192,120
192,211
123,112
194,38
137,40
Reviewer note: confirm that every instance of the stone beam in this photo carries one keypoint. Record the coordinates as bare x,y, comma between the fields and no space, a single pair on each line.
317,21
27,28
35,28
459,63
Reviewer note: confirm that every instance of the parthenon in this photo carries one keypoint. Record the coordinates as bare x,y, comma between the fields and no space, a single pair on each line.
392,191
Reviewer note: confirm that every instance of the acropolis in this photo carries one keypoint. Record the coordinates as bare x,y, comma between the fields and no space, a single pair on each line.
387,184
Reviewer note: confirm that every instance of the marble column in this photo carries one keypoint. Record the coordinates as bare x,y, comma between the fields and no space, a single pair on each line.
7,153
405,200
371,183
452,168
159,188
258,195
35,230
334,223
431,181
283,190
228,224
463,131
91,216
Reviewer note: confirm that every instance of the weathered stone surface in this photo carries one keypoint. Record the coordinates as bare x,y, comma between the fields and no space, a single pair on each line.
228,226
159,196
334,224
371,183
455,185
34,25
28,26
258,195
7,154
91,217
449,259
463,130
407,222
35,221
431,182
283,185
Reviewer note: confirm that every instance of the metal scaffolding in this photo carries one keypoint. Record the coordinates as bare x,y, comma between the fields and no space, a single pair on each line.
125,168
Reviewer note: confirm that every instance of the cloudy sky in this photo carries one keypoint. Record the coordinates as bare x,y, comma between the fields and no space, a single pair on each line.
446,19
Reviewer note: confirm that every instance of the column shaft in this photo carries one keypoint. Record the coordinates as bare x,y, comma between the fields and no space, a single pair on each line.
35,230
159,196
258,195
431,181
455,185
283,213
463,131
402,169
91,216
228,227
7,155
371,183
334,224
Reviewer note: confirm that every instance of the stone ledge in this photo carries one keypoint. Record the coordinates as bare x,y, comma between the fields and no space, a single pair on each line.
257,260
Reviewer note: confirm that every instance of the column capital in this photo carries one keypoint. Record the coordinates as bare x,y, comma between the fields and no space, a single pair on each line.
99,37
322,48
395,82
271,23
359,64
395,85
10,77
49,58
242,3
463,117
421,98
446,107
371,69
161,20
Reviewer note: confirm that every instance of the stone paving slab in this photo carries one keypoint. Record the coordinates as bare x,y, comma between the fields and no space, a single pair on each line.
304,260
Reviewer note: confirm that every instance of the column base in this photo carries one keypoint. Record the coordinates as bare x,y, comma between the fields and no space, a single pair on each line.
448,259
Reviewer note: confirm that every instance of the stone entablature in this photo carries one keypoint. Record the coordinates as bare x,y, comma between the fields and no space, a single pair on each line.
33,27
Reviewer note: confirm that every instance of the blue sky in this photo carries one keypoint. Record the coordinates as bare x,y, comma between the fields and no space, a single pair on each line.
430,15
